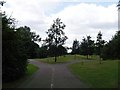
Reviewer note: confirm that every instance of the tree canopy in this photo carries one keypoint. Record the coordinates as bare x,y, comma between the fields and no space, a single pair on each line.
17,46
75,47
56,36
87,46
111,49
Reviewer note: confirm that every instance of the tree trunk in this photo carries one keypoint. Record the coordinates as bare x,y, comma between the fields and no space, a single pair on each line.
55,58
87,56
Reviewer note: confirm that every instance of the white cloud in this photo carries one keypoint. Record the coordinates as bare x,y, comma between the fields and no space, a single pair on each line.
81,19
88,19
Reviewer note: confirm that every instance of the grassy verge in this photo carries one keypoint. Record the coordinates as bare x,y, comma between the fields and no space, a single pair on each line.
97,75
31,69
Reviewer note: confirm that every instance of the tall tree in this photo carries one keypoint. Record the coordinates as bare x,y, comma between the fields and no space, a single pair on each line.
75,47
28,39
16,44
99,45
56,36
14,60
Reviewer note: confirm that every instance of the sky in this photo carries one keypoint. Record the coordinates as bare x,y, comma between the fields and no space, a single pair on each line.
81,17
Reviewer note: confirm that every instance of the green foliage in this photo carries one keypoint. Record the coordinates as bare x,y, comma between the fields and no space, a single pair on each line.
99,44
43,52
111,49
87,46
75,47
97,75
60,50
16,45
31,69
56,37
14,60
27,39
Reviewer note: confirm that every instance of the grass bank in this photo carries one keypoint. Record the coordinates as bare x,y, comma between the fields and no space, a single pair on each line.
97,75
31,69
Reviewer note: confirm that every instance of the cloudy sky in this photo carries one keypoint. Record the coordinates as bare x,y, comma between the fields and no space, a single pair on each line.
81,17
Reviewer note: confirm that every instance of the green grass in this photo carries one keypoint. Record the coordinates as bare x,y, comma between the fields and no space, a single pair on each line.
66,58
31,69
97,75
82,57
60,59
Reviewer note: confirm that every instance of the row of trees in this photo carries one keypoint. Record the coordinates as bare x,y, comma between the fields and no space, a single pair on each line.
106,50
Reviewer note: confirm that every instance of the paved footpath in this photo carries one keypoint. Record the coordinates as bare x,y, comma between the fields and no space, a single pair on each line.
52,76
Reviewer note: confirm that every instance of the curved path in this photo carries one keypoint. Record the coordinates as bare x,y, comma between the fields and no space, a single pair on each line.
52,76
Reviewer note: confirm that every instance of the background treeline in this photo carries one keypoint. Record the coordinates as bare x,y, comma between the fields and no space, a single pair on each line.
106,50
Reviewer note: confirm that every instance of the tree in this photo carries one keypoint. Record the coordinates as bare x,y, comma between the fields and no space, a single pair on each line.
111,49
62,50
87,46
75,47
42,52
14,60
28,41
99,44
56,36
16,44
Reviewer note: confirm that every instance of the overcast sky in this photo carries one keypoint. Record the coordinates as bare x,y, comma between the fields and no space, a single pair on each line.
81,17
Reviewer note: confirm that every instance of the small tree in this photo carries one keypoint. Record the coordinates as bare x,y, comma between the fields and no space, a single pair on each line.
99,44
75,47
87,46
56,36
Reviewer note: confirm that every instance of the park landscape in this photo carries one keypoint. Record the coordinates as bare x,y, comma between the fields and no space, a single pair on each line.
89,64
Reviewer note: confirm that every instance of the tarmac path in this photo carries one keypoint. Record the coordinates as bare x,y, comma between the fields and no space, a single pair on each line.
52,76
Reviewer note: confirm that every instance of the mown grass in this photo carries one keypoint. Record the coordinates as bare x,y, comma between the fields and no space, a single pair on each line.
31,69
97,75
82,57
66,58
60,59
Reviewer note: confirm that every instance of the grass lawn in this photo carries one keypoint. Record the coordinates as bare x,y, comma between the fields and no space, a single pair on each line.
31,69
60,59
97,75
66,58
82,57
